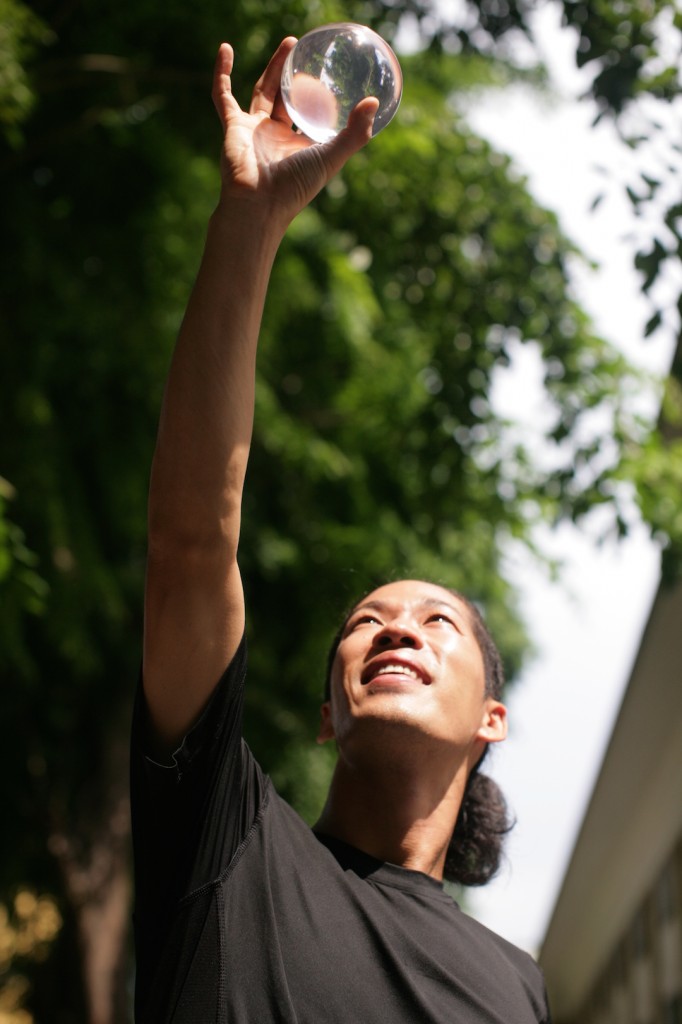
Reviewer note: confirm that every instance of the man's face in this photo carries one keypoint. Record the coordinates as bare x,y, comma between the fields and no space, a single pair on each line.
409,656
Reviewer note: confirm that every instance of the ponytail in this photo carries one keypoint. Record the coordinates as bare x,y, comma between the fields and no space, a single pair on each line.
475,851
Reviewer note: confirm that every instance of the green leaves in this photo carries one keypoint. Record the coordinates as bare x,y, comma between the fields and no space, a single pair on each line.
22,589
21,34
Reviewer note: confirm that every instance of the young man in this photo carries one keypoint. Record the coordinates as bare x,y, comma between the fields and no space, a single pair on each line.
243,913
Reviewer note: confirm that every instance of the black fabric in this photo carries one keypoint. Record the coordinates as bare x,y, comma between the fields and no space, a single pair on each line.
243,914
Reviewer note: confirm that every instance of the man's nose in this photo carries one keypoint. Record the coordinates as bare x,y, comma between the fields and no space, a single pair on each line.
397,634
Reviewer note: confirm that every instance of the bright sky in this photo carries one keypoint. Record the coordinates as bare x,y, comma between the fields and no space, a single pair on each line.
587,628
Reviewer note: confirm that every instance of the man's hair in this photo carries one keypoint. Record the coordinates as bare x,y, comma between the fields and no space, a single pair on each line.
475,850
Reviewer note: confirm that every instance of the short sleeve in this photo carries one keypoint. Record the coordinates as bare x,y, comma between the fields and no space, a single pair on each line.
189,817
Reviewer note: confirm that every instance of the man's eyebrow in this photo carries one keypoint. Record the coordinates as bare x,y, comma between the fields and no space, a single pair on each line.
437,602
426,602
377,605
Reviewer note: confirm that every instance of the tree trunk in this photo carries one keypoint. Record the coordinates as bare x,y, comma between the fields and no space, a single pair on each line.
93,856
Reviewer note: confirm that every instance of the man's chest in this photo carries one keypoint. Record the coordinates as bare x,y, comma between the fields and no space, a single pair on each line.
302,946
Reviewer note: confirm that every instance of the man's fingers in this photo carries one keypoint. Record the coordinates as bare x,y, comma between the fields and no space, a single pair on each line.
279,111
222,86
361,118
354,136
267,86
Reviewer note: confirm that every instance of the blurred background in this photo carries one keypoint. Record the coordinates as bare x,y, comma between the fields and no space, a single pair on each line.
438,395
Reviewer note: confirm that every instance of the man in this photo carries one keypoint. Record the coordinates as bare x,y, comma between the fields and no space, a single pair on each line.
243,913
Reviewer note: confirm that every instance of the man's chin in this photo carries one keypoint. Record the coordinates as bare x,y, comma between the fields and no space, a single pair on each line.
389,713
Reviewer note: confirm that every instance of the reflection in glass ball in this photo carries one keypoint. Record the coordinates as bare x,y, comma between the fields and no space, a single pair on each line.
330,70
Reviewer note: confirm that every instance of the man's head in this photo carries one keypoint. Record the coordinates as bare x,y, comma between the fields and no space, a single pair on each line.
452,679
492,661
416,653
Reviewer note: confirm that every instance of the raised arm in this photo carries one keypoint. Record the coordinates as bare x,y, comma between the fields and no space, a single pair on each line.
194,605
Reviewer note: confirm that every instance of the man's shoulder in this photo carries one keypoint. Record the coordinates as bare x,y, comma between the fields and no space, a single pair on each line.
520,959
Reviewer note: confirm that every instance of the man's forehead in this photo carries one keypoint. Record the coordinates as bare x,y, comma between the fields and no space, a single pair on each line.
413,593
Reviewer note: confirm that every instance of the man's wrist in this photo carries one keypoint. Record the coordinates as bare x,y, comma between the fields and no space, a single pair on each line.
251,221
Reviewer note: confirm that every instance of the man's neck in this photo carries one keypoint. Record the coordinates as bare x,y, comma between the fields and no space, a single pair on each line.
397,813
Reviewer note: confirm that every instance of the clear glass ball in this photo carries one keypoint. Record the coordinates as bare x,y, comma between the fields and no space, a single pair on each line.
330,70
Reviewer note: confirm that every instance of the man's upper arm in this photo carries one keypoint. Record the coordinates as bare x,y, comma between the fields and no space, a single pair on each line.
194,621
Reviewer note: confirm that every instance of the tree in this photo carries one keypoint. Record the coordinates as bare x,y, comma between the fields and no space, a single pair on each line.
630,52
394,301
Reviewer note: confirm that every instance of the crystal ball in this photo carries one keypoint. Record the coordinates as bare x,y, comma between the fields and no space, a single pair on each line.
330,70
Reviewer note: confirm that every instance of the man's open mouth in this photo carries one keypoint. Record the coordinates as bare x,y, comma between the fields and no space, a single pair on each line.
394,668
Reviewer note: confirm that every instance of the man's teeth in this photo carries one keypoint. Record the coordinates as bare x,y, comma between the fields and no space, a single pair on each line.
393,670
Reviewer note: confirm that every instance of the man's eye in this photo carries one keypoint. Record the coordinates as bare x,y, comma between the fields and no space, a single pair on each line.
365,620
441,618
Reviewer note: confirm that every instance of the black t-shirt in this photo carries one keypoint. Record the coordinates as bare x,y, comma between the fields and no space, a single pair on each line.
243,914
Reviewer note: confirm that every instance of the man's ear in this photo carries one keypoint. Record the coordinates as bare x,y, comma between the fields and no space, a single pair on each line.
494,724
326,731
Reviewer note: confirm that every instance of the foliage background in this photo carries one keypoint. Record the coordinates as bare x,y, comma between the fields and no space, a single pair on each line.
376,453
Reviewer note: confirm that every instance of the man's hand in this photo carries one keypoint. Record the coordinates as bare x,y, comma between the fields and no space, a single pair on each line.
262,158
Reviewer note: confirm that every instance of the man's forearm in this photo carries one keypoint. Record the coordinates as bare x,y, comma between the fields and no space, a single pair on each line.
207,416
